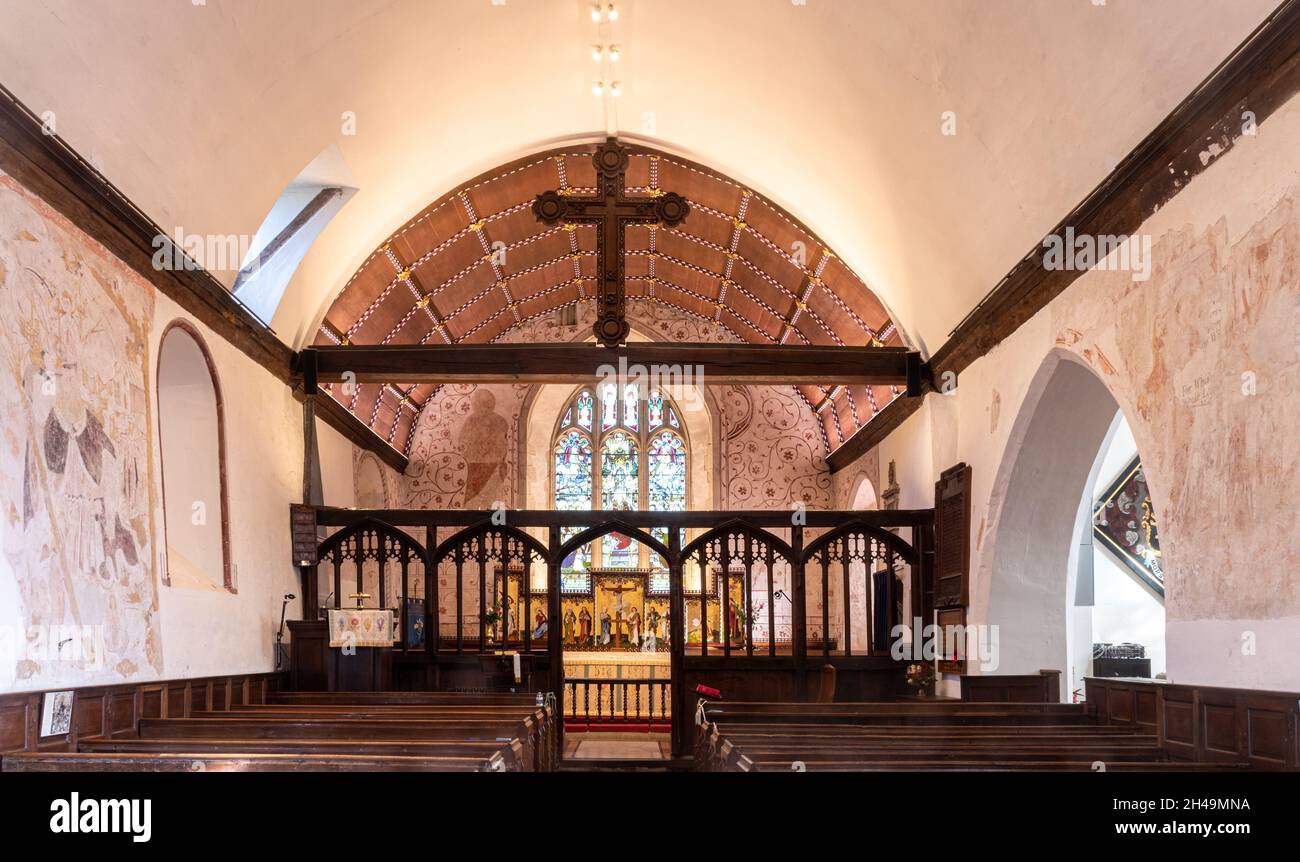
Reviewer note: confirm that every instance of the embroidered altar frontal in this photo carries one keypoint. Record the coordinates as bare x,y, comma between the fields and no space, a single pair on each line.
360,627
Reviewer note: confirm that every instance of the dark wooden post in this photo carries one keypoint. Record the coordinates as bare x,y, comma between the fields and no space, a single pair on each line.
677,633
554,632
432,617
798,601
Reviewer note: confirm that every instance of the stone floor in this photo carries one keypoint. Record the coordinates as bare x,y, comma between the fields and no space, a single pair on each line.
617,746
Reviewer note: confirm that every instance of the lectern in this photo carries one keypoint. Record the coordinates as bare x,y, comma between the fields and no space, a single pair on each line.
350,650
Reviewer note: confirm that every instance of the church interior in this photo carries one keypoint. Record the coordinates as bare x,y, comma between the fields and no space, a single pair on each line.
649,385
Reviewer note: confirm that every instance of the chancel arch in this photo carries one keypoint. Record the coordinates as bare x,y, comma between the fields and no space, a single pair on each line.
191,435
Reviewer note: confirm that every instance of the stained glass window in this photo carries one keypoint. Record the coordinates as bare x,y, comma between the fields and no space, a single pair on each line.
620,491
608,407
584,407
642,466
655,406
666,490
573,492
575,576
572,472
666,479
631,406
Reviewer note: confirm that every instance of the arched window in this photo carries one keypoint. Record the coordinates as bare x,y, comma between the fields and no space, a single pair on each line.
192,442
620,452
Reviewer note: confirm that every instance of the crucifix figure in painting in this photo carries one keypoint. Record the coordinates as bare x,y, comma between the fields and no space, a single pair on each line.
610,209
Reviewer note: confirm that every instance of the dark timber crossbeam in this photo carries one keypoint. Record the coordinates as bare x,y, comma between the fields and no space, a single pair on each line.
327,516
576,363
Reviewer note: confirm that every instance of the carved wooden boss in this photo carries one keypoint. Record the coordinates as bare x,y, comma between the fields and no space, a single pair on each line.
611,210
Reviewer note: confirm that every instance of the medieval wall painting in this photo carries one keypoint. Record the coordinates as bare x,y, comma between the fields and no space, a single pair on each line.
76,475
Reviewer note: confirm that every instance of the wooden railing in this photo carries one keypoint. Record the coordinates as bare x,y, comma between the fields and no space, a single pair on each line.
626,701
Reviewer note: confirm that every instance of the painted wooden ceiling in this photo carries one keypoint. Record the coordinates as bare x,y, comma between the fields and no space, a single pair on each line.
476,263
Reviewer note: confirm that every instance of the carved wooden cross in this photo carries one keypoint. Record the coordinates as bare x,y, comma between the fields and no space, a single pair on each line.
611,210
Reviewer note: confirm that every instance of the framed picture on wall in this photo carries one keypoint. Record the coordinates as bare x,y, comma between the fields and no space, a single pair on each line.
56,713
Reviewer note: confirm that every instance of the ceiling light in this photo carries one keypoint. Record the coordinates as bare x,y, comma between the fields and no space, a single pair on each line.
614,53
614,89
596,53
595,13
597,89
613,12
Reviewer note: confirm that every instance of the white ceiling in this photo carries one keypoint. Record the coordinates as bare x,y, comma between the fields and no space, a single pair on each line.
202,114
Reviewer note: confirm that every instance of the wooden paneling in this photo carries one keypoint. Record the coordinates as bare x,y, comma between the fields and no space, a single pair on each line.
113,710
1203,723
1041,687
88,713
151,702
14,730
176,701
121,715
199,695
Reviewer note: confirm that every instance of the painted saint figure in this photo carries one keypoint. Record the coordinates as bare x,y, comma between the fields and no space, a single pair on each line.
605,622
634,627
584,625
651,640
570,623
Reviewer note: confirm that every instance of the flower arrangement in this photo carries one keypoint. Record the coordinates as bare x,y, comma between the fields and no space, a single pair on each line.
919,676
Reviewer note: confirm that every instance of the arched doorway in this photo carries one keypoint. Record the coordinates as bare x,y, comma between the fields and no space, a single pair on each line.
1033,586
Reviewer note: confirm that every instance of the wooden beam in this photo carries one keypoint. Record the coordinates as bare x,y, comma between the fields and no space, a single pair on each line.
709,364
51,169
328,516
343,421
870,435
1260,76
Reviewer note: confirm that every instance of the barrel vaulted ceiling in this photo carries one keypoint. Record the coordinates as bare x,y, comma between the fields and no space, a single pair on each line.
835,110
475,264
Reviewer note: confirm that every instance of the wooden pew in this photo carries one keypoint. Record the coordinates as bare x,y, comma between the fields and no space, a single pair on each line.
943,712
511,752
526,730
547,741
242,762
755,737
402,698
412,705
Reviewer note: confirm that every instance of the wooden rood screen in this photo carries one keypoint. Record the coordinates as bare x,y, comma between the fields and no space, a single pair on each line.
754,605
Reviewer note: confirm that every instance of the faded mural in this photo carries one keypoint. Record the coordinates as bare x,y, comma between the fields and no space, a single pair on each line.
76,475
